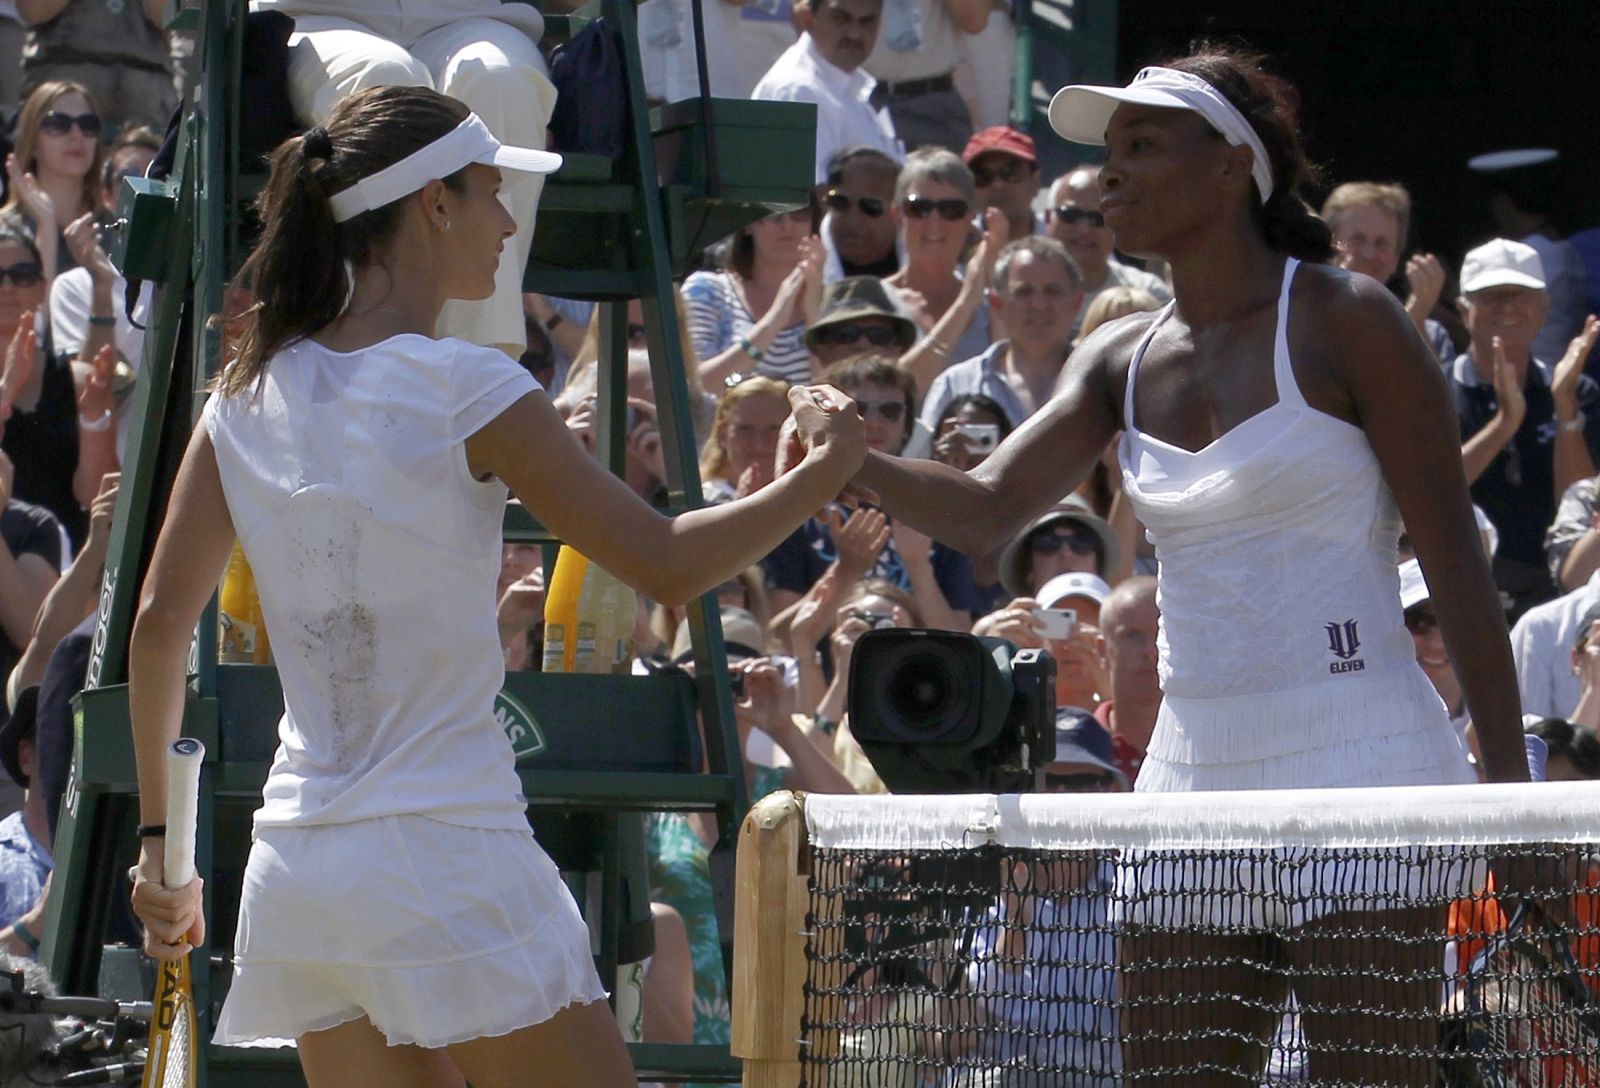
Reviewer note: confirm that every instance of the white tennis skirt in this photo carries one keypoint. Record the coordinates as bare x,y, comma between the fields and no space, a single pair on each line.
1388,728
437,933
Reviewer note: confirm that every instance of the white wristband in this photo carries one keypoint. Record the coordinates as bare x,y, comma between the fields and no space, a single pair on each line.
1574,424
101,424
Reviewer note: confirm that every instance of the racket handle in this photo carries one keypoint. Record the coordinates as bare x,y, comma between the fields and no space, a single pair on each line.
183,803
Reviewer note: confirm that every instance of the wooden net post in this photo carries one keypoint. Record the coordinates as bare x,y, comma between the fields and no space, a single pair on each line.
769,961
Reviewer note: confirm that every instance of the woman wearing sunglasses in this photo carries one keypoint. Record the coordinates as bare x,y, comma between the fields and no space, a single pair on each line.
750,317
934,201
54,174
54,422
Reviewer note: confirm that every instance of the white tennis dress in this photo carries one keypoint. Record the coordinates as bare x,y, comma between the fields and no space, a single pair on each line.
1283,655
393,873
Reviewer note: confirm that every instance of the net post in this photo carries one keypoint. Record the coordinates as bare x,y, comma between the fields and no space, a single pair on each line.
769,962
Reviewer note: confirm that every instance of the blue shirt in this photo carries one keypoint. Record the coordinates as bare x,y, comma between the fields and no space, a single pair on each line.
799,561
24,864
976,375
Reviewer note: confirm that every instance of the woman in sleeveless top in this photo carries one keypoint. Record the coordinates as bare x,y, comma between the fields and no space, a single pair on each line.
398,922
1279,419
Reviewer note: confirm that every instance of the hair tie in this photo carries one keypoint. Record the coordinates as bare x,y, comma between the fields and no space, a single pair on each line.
316,144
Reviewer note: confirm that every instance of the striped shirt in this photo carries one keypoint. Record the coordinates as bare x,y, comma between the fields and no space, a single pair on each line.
718,317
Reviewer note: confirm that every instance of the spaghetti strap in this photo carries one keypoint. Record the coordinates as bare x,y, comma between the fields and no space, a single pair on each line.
1282,369
1138,356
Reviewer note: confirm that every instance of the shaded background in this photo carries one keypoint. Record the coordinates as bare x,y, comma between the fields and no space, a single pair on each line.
1392,90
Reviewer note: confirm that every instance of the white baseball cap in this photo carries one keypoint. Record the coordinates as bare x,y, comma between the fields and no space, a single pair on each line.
1076,584
467,143
1413,587
1502,263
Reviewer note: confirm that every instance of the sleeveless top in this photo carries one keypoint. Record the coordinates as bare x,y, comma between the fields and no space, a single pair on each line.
1277,545
375,552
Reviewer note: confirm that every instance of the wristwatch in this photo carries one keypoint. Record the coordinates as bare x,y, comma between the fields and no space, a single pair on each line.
1574,424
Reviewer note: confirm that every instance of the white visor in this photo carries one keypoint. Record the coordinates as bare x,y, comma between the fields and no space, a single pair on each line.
467,143
1080,113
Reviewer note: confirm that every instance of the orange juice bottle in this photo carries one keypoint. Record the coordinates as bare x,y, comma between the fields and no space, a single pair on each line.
242,634
561,610
588,618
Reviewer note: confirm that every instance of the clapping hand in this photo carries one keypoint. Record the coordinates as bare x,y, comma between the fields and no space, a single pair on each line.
813,613
996,232
859,540
1507,389
83,242
94,398
1564,384
101,512
32,196
812,258
22,355
1425,276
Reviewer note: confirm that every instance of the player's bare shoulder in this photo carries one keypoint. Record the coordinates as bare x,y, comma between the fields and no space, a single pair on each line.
1354,322
1099,365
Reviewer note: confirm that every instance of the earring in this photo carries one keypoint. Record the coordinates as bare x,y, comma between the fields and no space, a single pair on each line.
447,224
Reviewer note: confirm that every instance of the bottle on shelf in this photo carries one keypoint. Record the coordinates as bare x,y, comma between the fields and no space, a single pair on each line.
242,633
588,618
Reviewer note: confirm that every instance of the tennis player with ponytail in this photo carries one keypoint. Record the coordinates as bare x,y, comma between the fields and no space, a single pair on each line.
398,922
1279,419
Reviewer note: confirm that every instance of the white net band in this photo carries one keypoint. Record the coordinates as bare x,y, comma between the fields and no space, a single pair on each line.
1554,812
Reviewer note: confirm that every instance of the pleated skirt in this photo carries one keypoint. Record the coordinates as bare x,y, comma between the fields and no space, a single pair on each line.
1385,728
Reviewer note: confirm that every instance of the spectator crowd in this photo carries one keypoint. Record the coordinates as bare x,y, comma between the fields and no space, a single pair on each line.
935,277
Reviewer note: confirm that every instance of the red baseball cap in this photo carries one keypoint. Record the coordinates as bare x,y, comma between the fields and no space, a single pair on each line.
1000,138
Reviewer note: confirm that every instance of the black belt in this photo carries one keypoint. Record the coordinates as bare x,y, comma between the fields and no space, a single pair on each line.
911,87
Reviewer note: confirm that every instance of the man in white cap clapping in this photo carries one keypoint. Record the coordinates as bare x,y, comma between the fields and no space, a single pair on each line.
1530,427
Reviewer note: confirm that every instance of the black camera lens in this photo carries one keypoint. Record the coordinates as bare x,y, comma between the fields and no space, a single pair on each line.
916,690
920,692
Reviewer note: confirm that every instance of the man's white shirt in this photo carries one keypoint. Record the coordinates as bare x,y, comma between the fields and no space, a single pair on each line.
1541,644
845,117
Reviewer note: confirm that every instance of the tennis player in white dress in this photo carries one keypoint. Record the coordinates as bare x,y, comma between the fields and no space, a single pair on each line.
1279,419
398,922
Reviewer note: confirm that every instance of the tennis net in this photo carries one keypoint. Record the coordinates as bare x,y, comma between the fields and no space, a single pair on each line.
1425,936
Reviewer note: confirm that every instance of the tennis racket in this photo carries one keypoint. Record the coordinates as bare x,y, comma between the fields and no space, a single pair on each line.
1531,1023
173,1059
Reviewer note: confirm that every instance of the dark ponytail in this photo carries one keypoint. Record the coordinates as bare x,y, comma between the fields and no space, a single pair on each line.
298,270
1271,106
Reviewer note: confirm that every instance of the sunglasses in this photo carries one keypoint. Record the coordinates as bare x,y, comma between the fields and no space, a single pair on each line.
1012,172
1419,621
1081,542
23,274
57,123
871,206
890,411
844,335
1069,215
951,208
